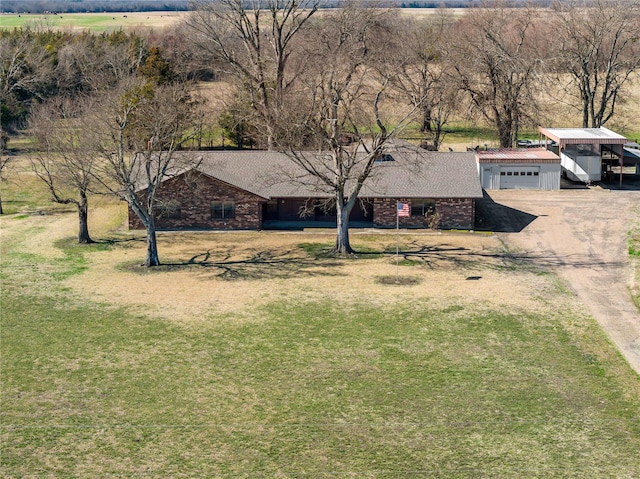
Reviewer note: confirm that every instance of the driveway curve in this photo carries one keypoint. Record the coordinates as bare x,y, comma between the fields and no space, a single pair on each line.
581,234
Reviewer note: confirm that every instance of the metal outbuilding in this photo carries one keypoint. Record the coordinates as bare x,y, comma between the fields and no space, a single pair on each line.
585,153
521,168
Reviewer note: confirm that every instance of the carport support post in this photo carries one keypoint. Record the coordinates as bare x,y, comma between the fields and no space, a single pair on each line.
621,163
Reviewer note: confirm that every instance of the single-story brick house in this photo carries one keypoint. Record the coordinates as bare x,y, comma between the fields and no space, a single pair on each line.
251,189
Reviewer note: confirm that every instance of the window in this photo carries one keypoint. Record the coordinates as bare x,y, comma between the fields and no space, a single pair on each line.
422,207
384,158
222,210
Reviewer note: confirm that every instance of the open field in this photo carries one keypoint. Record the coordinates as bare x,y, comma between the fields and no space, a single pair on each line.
249,355
97,22
107,21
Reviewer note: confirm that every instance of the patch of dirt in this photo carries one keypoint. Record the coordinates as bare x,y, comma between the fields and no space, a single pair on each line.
230,275
398,280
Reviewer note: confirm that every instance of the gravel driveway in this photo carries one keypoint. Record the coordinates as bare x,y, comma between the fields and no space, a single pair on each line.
582,235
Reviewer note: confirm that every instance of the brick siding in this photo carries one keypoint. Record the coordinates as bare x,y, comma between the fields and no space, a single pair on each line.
193,194
451,213
456,213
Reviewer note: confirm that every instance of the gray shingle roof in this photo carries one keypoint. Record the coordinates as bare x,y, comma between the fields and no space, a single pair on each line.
414,173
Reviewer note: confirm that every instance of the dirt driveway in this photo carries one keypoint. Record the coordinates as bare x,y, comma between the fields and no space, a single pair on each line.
582,235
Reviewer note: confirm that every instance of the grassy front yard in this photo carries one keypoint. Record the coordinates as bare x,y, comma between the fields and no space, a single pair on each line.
295,365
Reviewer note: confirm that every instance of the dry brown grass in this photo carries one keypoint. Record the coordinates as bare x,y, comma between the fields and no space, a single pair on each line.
230,274
234,272
562,110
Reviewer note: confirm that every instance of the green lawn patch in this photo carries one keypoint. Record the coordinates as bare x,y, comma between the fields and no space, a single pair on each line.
409,390
634,257
324,250
331,386
634,245
398,280
74,260
96,22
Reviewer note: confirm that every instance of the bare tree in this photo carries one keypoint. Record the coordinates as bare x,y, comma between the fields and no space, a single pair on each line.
4,162
420,47
496,63
23,66
24,70
94,63
142,126
598,45
340,132
65,158
254,42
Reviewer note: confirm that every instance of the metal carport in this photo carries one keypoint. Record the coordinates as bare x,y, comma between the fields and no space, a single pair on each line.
602,139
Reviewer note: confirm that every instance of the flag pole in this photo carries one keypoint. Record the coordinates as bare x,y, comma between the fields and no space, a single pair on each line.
397,239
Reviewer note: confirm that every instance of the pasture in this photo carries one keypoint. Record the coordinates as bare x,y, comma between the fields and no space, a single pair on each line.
96,22
249,354
107,21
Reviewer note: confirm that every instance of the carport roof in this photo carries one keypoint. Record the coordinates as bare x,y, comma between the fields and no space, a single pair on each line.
576,136
522,155
632,154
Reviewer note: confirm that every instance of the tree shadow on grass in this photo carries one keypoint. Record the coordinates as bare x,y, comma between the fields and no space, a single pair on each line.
457,256
260,265
434,257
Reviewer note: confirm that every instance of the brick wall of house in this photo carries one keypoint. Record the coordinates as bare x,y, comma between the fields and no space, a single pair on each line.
451,213
192,194
456,213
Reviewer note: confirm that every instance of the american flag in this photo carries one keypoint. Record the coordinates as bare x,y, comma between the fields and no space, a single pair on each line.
403,209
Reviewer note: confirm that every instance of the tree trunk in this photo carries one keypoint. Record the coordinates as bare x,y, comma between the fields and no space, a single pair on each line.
342,247
83,220
152,246
1,212
585,106
426,120
504,133
437,134
4,140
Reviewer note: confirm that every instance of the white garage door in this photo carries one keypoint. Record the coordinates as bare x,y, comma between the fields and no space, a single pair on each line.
519,177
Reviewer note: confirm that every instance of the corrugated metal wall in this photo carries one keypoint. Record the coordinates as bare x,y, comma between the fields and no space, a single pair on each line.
490,175
550,177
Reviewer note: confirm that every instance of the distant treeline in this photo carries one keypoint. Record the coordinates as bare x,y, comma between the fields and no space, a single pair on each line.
82,6
461,3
